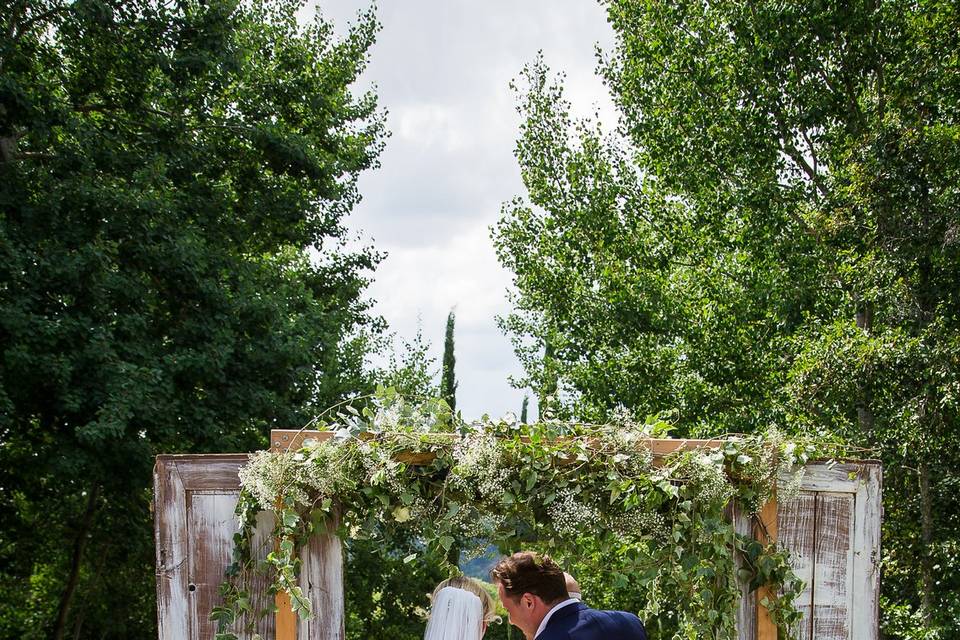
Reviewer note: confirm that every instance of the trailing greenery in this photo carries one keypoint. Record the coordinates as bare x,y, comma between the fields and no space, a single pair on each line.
413,468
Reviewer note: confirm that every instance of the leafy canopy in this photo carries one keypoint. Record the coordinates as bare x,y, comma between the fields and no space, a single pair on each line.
769,235
173,273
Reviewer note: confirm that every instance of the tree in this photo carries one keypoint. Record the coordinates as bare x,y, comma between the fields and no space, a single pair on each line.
523,409
448,379
769,236
385,596
410,370
173,271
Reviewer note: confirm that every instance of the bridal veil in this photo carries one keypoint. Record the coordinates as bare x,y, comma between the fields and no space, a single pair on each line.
456,614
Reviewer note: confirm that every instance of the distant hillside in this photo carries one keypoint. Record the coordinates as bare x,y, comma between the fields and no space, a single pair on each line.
479,568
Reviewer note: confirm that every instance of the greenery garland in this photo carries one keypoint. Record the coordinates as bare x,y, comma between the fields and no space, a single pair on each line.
555,486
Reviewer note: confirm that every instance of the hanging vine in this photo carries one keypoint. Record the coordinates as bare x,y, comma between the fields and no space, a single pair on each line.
553,485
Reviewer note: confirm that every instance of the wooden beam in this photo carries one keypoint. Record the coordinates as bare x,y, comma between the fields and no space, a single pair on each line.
293,439
766,532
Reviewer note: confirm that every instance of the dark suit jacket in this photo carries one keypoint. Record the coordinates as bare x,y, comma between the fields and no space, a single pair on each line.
579,622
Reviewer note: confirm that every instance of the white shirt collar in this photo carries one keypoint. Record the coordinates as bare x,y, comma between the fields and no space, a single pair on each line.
546,618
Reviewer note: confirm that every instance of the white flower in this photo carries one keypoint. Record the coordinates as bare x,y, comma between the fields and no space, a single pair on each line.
571,517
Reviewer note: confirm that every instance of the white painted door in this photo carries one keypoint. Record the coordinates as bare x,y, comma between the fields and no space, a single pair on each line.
833,532
194,523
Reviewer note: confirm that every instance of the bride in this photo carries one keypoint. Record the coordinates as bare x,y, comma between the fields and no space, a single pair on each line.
460,609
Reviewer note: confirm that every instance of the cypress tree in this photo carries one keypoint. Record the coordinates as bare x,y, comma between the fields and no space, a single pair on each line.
523,409
448,380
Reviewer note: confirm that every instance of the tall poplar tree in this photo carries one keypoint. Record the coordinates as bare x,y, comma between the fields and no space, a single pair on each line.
771,235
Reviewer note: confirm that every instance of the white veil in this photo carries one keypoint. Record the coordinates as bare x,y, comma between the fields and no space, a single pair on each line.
456,614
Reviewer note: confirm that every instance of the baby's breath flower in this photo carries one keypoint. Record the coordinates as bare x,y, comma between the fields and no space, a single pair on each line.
269,476
790,490
707,476
571,517
637,523
478,462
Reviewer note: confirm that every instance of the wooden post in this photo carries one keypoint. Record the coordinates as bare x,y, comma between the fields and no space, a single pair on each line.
766,532
286,624
322,559
286,620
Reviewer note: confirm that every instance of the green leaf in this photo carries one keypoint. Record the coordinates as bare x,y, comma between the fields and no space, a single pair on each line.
223,615
290,518
531,480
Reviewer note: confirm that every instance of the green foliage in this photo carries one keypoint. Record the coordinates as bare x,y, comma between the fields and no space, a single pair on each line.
173,276
386,596
410,369
395,469
769,236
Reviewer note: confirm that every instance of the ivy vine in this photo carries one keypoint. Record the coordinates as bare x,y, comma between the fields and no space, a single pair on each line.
553,485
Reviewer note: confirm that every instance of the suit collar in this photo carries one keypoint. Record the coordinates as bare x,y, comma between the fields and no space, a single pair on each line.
566,612
561,610
569,610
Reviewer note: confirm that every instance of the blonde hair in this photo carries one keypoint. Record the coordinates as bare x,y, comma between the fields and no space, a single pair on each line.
474,587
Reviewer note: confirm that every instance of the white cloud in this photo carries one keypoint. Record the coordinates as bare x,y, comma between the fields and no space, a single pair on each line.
442,69
430,126
424,283
460,271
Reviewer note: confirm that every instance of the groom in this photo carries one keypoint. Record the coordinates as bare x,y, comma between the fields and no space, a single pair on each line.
533,590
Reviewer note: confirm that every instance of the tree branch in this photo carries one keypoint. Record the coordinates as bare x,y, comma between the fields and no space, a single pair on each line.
79,545
104,108
791,150
26,26
36,155
813,151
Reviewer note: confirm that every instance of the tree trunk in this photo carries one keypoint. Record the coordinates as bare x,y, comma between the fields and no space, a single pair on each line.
8,149
79,544
864,319
926,535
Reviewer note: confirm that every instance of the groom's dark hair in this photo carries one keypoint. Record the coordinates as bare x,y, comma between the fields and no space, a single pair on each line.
530,572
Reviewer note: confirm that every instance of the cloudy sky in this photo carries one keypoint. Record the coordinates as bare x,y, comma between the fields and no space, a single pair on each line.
442,69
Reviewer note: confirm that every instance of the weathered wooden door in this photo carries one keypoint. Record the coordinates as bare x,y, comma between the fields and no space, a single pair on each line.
832,529
833,532
194,523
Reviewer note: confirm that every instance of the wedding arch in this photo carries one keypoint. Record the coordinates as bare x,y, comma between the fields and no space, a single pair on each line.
762,529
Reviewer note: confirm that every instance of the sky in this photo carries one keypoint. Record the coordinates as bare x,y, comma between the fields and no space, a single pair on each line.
442,70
